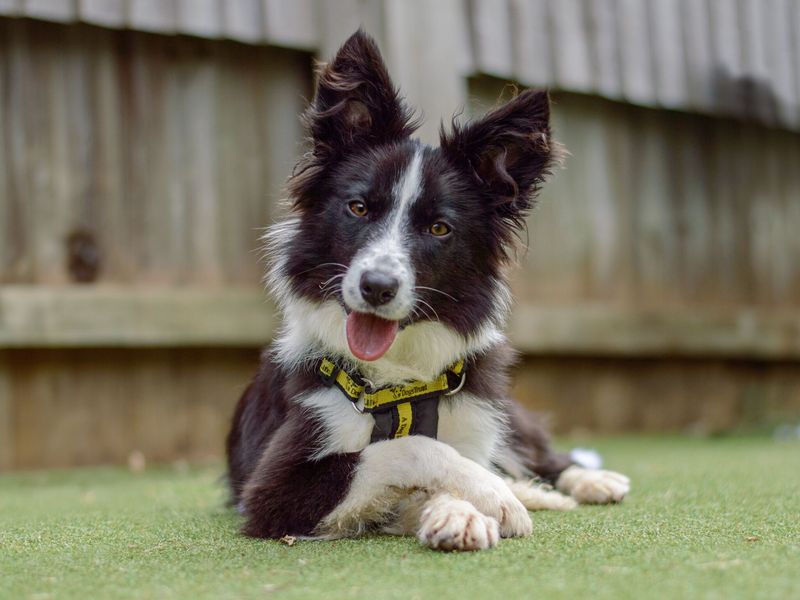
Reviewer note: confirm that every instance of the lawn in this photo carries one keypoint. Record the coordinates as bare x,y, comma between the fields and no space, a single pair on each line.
705,519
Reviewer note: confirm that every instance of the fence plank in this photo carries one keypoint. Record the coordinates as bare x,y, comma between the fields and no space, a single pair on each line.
699,62
44,132
727,56
158,16
7,423
200,17
291,24
109,316
194,90
668,55
795,24
11,8
243,20
423,59
107,13
780,59
604,47
491,42
691,189
760,99
130,317
655,227
637,61
17,240
109,209
7,249
50,10
530,34
602,330
570,48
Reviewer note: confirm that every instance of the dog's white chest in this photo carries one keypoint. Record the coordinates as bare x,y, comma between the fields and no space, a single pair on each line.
471,426
467,423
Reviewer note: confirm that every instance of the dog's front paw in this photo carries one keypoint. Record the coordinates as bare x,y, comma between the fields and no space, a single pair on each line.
448,523
589,486
492,496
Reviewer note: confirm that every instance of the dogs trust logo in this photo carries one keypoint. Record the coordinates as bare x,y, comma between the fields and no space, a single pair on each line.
403,392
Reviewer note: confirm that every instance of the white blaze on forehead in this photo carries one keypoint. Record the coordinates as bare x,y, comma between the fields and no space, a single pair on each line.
408,188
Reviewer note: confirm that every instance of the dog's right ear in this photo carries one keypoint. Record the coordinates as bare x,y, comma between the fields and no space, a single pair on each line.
356,101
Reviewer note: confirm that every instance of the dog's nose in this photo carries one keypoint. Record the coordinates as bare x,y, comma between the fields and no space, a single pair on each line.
378,288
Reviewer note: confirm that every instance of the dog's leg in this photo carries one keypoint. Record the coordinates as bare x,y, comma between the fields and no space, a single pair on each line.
590,486
391,470
289,491
530,452
537,496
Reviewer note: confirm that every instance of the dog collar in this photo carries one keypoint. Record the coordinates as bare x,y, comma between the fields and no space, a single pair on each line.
399,410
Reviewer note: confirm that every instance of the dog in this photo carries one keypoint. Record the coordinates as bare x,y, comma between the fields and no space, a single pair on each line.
383,403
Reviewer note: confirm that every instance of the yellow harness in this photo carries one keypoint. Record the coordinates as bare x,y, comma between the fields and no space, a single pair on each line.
399,410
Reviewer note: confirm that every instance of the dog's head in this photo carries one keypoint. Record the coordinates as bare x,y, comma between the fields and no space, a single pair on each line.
392,235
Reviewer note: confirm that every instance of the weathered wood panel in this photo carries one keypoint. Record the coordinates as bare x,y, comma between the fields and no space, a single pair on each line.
427,58
7,428
107,13
712,56
243,20
89,316
292,24
700,397
166,154
703,56
701,333
99,406
86,407
667,234
663,210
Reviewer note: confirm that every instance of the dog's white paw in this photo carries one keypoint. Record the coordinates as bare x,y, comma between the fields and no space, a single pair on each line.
589,486
492,496
448,523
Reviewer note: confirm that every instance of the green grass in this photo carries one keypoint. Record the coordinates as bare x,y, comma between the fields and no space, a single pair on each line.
705,519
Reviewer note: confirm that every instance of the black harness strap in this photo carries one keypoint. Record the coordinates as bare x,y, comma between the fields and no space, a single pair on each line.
407,409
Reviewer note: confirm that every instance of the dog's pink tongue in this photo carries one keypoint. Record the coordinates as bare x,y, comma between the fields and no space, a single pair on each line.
368,336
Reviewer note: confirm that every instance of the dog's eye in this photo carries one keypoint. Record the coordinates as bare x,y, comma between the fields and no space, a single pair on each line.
439,229
358,208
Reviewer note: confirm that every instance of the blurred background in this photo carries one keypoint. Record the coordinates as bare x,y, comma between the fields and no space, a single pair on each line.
144,143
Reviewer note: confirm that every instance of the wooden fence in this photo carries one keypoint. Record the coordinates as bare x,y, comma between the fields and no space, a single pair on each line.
660,290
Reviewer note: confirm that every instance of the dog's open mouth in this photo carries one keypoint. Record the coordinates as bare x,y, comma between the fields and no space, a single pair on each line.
369,336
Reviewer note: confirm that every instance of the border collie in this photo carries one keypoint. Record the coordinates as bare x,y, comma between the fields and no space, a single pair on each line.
383,403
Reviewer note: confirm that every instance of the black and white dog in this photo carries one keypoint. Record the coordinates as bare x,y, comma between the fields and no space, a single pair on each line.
383,404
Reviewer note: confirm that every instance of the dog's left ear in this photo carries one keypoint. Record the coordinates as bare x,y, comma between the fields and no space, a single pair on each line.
508,153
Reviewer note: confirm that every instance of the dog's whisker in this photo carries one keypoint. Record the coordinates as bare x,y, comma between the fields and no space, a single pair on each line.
429,306
425,313
328,281
331,291
423,287
320,266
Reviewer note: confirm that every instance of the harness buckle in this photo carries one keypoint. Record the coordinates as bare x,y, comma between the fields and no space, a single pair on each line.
368,385
459,386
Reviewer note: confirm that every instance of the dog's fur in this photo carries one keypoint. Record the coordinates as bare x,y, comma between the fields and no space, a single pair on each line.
300,458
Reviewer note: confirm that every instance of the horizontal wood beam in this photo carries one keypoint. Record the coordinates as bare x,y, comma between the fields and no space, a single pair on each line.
603,330
102,316
43,317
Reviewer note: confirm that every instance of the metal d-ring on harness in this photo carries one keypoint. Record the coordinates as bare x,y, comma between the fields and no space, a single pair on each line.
407,409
